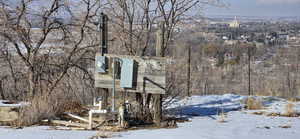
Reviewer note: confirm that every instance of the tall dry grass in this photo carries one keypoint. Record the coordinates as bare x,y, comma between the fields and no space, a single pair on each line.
290,110
43,107
254,104
39,108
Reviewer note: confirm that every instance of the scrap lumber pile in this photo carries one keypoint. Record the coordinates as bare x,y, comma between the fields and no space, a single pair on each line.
9,111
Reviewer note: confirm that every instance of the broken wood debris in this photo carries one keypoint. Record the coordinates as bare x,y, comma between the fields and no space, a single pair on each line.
68,123
77,117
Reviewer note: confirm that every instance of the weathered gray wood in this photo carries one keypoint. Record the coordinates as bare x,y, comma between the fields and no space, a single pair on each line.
151,75
8,114
77,117
157,98
65,123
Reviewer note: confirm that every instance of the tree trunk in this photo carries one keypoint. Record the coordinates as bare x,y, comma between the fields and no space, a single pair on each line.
31,85
1,91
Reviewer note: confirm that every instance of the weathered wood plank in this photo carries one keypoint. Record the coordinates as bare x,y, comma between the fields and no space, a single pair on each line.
8,114
77,117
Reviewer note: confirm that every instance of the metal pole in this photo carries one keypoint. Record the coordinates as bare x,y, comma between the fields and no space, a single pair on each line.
100,30
114,86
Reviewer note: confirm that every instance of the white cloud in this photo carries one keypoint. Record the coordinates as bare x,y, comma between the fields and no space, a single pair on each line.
278,1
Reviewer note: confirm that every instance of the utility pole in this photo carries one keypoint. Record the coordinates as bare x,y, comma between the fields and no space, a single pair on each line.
189,72
103,33
249,71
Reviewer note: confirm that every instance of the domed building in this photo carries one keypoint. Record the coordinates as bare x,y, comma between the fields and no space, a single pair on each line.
235,23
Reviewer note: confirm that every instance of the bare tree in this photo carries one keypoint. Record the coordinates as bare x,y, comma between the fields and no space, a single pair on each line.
135,21
43,52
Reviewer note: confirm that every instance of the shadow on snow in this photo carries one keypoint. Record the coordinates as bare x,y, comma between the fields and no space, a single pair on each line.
210,108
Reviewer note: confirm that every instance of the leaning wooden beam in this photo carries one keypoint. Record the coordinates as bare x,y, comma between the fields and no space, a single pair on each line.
65,123
67,128
78,117
101,124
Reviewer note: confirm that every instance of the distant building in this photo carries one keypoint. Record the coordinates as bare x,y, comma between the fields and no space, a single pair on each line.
235,23
230,42
225,38
284,36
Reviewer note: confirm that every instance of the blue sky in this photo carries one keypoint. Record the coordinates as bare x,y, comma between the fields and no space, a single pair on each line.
253,8
257,8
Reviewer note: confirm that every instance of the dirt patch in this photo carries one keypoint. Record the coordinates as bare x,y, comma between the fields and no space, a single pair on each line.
285,126
276,114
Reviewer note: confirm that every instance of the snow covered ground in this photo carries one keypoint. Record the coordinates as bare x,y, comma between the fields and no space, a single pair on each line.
43,132
205,123
238,125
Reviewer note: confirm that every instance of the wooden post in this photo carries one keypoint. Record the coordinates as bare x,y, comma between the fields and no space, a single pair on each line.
121,117
139,113
157,98
157,105
103,92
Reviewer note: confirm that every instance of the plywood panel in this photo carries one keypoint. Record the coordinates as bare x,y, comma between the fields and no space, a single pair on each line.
151,75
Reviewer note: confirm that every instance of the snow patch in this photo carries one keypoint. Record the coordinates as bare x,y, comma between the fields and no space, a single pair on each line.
7,103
